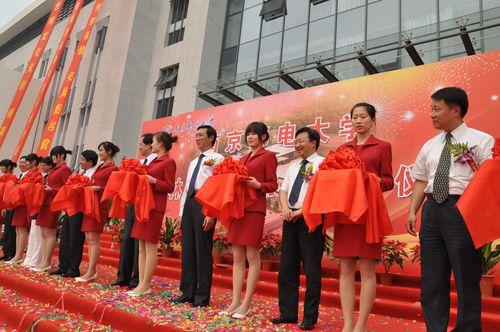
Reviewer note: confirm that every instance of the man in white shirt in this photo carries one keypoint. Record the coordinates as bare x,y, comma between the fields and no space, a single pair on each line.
197,230
128,266
72,237
445,242
297,243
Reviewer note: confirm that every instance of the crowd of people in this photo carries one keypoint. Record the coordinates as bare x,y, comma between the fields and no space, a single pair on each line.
445,242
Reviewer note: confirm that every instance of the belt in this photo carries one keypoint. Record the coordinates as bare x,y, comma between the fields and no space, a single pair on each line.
429,196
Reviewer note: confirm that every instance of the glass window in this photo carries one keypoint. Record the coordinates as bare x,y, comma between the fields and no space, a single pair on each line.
489,4
449,9
322,9
228,64
321,35
297,12
234,6
351,27
273,26
247,56
416,14
344,5
349,69
250,27
250,3
233,25
270,48
383,19
294,43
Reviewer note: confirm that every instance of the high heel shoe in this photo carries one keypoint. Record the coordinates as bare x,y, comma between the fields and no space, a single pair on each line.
82,279
227,313
241,316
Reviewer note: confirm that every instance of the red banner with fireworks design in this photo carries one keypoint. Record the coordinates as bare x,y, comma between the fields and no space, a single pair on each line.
55,116
48,79
402,100
30,70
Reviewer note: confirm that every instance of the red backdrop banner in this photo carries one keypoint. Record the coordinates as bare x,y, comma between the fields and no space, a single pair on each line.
48,79
30,70
55,116
402,100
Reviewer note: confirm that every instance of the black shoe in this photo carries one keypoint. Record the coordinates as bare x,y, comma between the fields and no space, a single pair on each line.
71,274
6,258
119,283
182,299
307,326
199,304
283,320
57,273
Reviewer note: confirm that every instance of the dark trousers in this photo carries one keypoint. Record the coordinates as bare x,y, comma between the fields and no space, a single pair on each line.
196,279
9,235
71,243
128,267
446,246
299,245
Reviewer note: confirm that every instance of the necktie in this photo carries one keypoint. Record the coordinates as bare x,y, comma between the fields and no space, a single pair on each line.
441,186
194,176
21,176
297,184
145,161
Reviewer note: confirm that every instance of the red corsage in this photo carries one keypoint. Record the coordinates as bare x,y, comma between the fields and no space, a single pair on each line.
33,177
496,149
133,165
230,166
342,158
78,180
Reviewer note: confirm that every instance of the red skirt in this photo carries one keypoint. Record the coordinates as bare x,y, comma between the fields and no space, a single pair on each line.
46,218
349,241
93,226
248,230
21,218
150,230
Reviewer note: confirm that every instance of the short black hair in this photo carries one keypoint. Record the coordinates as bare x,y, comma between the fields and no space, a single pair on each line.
32,157
91,156
9,164
211,132
22,157
110,148
370,109
453,96
313,135
47,161
166,139
59,151
147,138
258,128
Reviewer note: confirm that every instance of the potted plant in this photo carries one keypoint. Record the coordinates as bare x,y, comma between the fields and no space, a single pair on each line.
328,245
415,254
271,246
170,236
393,252
221,246
116,229
491,257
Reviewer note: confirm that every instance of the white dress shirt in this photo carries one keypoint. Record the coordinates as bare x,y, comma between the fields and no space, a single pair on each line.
149,158
204,172
427,161
291,175
89,172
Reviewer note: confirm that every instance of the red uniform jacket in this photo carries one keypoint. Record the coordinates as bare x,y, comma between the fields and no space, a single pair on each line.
55,180
100,178
163,170
377,156
262,166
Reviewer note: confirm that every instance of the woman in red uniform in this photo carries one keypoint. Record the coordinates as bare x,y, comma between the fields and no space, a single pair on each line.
9,233
349,240
161,175
47,219
245,234
90,226
21,220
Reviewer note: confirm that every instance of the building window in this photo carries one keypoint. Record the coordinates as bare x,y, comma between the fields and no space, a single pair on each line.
165,91
272,9
178,13
44,65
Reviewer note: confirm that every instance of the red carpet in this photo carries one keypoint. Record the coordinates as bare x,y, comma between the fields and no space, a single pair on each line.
97,306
